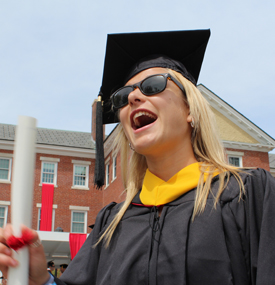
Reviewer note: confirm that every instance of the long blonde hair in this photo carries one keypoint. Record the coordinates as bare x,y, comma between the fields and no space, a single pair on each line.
207,148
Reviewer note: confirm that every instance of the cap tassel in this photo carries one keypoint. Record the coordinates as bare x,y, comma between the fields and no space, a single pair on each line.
99,162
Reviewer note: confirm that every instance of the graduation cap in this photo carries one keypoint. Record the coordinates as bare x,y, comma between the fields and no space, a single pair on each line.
130,53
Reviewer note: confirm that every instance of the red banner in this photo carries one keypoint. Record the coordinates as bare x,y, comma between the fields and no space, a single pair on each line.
76,241
47,207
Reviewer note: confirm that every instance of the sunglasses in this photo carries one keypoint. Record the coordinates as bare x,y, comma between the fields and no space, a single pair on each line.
149,86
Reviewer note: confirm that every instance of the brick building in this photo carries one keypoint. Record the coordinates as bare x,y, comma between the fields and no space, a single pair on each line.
66,159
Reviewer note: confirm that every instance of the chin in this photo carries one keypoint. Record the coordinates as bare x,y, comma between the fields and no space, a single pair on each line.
147,148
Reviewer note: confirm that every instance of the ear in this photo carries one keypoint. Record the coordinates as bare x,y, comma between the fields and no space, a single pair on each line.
189,118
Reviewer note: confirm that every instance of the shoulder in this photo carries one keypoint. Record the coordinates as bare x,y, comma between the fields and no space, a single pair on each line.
256,183
106,213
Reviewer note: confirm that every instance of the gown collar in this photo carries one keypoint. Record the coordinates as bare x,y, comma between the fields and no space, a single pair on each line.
156,192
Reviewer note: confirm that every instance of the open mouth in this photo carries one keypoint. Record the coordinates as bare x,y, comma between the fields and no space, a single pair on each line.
143,118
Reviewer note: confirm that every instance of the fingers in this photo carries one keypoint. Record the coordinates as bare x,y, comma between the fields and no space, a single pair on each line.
6,259
32,234
8,231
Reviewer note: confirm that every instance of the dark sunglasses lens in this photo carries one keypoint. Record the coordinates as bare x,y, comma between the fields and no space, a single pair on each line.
120,98
153,85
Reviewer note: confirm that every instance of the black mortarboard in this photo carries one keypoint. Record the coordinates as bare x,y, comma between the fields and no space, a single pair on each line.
129,54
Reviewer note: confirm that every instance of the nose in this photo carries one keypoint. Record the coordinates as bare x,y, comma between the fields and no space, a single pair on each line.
136,97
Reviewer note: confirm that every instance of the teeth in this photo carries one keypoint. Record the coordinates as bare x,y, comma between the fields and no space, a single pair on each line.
142,113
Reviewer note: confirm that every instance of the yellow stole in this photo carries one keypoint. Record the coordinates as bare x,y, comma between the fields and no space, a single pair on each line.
156,192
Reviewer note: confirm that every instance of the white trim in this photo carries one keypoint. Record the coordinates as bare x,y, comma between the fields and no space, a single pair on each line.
86,186
236,156
5,214
55,150
54,174
53,220
113,168
5,181
272,171
4,154
107,175
8,180
108,143
79,208
40,184
107,160
66,151
85,220
234,153
39,205
83,162
5,203
247,146
50,159
79,188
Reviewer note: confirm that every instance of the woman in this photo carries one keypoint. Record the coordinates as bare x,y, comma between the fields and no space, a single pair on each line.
188,217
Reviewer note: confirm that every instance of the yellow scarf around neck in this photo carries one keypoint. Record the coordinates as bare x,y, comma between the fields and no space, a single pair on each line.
156,192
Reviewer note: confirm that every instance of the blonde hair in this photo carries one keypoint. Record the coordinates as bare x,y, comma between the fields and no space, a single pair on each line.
207,149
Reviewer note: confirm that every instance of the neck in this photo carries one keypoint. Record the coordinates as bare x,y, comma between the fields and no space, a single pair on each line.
168,164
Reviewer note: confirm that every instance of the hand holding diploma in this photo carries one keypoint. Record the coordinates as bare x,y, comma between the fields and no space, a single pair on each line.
37,266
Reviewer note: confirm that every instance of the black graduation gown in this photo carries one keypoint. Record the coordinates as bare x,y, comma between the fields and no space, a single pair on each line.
232,244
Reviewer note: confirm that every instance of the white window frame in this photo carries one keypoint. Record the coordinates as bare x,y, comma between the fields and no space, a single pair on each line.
39,205
85,164
7,156
114,168
53,161
107,174
5,213
85,221
235,154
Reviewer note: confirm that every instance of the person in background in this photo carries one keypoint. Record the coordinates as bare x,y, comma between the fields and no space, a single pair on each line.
63,268
51,267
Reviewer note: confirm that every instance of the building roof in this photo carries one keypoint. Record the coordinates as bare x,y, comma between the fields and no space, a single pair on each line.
52,137
258,140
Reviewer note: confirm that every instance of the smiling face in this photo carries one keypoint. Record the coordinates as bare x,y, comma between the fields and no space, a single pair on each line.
156,124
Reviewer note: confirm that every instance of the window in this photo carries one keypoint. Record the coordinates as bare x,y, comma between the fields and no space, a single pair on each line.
3,215
79,223
236,161
107,174
81,175
48,172
114,167
235,158
5,169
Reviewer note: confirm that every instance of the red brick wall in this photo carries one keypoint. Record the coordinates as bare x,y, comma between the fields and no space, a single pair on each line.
254,158
64,196
114,192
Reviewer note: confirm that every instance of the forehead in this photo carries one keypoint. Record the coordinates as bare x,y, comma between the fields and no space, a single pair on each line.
145,73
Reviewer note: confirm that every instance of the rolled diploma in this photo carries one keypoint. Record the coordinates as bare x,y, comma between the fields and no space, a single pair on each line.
22,193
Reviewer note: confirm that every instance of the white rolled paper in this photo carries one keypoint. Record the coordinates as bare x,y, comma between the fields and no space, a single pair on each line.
22,193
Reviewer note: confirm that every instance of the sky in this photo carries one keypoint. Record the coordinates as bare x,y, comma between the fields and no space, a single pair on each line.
52,54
